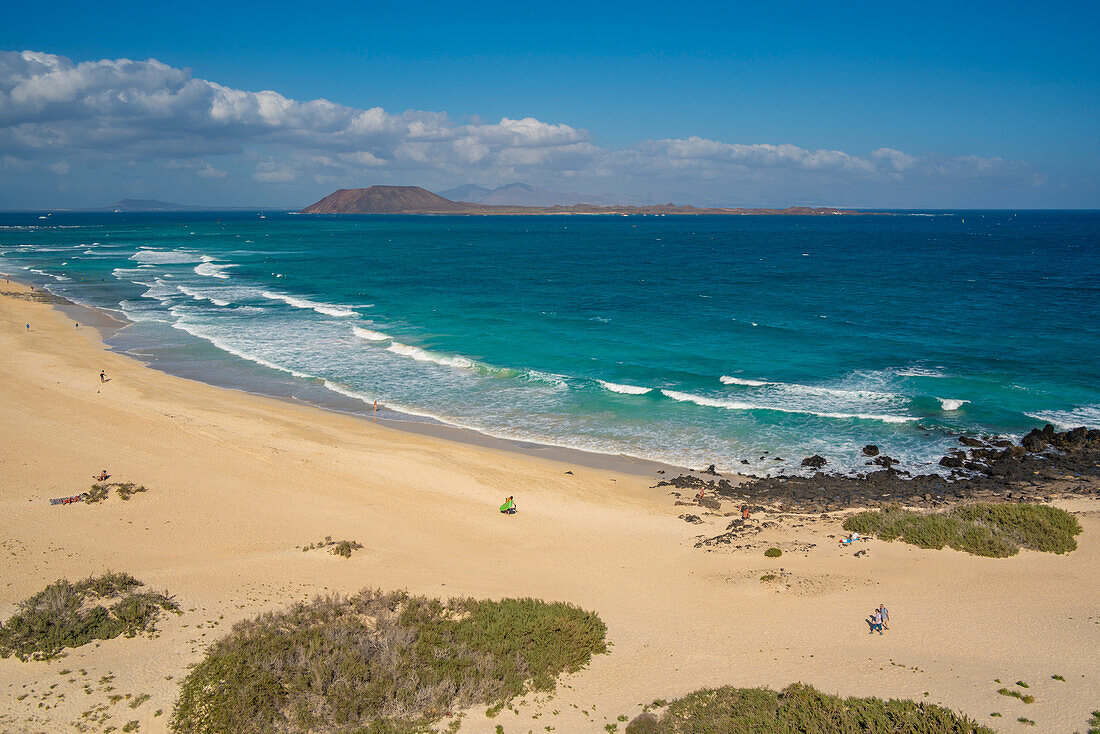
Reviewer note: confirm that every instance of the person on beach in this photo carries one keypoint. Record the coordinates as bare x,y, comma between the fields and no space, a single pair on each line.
28,327
102,376
744,512
876,622
103,476
885,613
508,508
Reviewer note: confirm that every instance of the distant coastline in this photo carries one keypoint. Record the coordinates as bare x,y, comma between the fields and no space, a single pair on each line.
417,201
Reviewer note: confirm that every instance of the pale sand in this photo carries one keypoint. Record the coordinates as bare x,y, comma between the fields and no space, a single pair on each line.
238,481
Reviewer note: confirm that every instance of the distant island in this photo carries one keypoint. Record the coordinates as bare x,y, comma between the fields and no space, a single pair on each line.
148,205
415,200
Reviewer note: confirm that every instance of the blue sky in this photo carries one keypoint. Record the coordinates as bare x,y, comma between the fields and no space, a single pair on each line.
991,104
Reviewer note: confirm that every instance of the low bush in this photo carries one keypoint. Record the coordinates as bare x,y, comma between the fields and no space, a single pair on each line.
65,614
991,530
380,662
336,547
799,708
1025,697
773,553
1094,722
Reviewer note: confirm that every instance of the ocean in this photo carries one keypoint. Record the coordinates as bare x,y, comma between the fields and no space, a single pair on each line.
745,342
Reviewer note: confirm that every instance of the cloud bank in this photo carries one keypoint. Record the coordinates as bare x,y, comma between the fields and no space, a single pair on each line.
59,118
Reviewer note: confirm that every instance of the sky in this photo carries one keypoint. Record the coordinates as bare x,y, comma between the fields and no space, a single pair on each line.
937,105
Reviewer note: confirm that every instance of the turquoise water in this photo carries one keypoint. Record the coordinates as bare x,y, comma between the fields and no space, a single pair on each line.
691,340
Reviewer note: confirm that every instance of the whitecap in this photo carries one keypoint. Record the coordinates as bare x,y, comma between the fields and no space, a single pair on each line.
423,355
1084,415
728,380
951,403
202,296
708,402
370,335
164,257
323,308
211,269
624,389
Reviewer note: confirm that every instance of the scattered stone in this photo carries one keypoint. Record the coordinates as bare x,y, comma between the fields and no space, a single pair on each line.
693,519
870,450
815,462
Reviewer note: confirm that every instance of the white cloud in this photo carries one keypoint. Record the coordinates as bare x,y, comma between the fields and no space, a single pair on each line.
117,112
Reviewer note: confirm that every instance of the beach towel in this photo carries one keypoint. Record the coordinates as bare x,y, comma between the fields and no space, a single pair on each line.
67,500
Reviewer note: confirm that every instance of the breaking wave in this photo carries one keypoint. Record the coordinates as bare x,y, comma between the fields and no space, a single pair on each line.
324,308
624,389
707,402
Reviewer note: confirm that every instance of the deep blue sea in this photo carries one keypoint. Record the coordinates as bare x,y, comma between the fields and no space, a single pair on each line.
690,340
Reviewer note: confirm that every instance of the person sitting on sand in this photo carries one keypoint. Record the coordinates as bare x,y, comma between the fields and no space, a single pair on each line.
103,476
508,508
850,539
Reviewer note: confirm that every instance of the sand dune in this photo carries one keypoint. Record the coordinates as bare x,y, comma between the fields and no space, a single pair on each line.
239,482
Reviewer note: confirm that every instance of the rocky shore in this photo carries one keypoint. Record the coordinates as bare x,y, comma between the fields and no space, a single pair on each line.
1046,464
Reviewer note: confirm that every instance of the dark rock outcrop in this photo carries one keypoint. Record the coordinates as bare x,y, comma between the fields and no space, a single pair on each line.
814,462
870,450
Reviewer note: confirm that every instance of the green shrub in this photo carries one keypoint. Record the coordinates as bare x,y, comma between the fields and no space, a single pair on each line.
800,708
97,493
1094,723
65,615
991,530
345,547
381,663
1035,527
773,553
1025,697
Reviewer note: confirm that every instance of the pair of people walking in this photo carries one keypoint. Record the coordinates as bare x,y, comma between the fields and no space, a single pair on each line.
880,619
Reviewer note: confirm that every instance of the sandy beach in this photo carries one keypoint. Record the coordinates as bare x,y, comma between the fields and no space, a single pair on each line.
239,483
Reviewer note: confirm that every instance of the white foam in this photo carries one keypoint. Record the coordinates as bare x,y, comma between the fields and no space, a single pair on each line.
324,308
952,404
624,389
201,296
211,269
728,380
369,335
423,355
919,372
164,257
1085,415
737,405
195,330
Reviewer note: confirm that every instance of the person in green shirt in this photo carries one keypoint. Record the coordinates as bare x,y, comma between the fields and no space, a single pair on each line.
508,508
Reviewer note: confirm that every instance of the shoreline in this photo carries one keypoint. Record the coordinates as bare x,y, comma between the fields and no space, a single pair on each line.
238,484
109,325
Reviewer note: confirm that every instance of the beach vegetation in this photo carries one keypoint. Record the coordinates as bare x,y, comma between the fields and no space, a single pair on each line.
1025,697
991,530
802,708
125,490
336,547
97,493
1023,720
773,553
1094,722
381,662
769,577
1058,677
68,615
